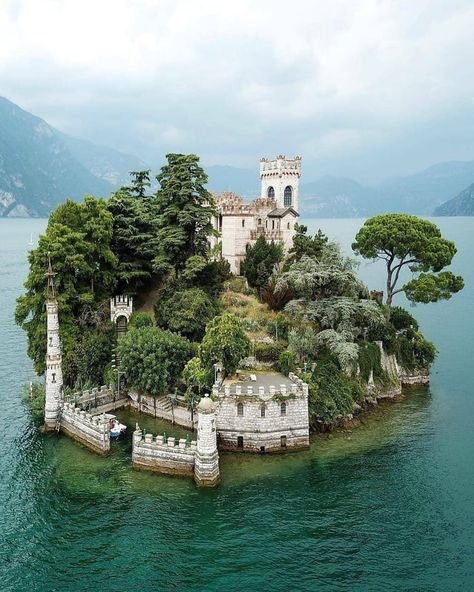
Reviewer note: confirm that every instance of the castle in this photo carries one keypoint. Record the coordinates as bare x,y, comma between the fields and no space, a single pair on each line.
272,215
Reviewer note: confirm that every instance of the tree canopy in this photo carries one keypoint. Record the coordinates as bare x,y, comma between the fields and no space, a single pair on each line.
405,241
225,342
260,261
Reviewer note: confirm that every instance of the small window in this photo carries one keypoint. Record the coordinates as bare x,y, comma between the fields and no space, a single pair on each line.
283,441
287,196
247,247
266,223
50,341
243,223
262,449
271,193
240,409
273,224
262,411
288,226
240,441
283,408
259,221
54,377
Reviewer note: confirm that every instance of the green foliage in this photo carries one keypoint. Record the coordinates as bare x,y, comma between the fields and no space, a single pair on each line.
331,392
213,277
341,346
369,358
279,326
34,396
306,245
152,359
401,319
287,362
402,241
186,312
78,239
269,352
140,319
274,295
416,352
386,334
196,376
429,287
224,342
331,275
260,261
184,209
86,362
304,342
134,240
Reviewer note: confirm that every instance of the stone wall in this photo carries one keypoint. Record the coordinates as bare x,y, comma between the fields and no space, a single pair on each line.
263,427
93,431
175,457
161,407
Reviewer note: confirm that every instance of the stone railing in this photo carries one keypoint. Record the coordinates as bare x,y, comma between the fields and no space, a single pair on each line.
173,456
91,430
275,235
98,400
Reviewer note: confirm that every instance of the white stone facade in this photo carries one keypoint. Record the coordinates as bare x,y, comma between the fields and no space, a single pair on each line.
121,306
272,419
273,214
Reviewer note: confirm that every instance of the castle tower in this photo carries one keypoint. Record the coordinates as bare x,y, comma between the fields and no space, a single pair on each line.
54,375
280,180
206,467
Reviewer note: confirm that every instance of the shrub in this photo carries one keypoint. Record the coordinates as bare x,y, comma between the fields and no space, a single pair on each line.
269,352
224,342
186,312
369,360
279,326
287,362
415,353
140,319
402,319
152,359
387,335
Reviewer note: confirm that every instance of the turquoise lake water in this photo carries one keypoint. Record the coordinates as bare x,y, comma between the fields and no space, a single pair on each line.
387,506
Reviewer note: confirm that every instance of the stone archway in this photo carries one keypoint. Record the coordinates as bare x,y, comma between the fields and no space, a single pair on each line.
122,325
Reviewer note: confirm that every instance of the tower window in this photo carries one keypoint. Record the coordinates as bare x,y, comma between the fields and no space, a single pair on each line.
287,196
50,341
54,377
240,409
243,223
271,193
283,408
262,411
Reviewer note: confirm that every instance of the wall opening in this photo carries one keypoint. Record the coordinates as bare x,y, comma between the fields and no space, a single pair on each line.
283,409
287,196
243,223
262,449
262,411
240,409
271,193
283,441
240,441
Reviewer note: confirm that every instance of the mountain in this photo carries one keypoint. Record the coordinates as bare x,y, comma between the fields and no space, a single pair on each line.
41,167
461,205
422,192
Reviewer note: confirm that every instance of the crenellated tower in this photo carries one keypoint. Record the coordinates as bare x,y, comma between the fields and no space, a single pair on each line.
280,180
54,375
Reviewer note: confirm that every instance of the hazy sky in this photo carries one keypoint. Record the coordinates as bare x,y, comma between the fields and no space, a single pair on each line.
359,88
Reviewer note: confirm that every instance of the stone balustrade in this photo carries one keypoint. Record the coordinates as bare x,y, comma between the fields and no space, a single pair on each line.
93,431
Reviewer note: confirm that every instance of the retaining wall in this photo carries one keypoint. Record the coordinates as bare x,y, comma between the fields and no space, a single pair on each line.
173,457
91,431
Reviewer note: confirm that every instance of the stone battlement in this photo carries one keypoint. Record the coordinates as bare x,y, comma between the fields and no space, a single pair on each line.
91,430
297,387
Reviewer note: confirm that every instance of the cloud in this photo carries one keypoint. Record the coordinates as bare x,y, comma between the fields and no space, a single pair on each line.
346,84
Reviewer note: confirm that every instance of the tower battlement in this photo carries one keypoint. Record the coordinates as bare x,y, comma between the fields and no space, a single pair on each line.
280,180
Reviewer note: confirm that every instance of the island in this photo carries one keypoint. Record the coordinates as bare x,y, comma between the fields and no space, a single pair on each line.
222,316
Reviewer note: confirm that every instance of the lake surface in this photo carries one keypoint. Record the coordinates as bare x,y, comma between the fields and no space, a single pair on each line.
388,506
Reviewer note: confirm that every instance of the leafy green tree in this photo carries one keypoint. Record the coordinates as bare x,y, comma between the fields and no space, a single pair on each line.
152,359
306,245
186,312
287,362
260,262
304,342
405,241
184,209
224,342
330,275
134,240
139,320
195,375
140,183
401,319
77,239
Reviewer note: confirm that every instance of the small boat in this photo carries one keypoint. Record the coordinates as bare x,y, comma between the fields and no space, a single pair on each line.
117,429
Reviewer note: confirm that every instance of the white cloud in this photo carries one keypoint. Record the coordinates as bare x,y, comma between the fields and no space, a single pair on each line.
331,79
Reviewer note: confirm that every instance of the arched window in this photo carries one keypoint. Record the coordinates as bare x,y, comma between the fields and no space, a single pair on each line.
240,409
262,411
283,408
287,196
271,193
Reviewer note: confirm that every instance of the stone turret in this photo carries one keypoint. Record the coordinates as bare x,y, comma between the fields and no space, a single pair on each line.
206,468
54,374
280,180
